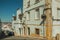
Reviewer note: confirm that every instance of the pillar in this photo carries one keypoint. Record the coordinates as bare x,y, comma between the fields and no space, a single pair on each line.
48,13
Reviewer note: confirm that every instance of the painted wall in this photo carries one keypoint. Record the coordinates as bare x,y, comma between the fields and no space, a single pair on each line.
16,24
55,5
32,21
56,24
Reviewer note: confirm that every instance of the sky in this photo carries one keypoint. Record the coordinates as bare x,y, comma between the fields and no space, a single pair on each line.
8,8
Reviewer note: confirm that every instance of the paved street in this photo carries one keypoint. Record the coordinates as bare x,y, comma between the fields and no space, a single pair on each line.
22,38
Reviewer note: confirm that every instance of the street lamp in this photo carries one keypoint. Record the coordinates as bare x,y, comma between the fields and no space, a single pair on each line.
43,16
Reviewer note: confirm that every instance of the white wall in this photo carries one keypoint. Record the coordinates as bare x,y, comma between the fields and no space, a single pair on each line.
32,29
56,29
18,12
54,9
56,24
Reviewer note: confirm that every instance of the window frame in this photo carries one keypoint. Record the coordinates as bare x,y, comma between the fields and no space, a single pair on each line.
36,31
58,9
37,13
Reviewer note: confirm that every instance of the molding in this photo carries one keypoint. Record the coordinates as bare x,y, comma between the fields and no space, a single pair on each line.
41,25
56,19
35,24
34,6
17,23
57,25
46,9
58,8
36,19
57,0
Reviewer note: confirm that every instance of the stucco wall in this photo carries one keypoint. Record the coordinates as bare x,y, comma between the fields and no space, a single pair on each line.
33,31
56,24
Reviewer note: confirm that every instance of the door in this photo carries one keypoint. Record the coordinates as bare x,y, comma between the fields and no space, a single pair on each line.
28,31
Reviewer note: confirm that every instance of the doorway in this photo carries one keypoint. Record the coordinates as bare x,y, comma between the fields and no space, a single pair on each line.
37,31
28,31
24,30
20,30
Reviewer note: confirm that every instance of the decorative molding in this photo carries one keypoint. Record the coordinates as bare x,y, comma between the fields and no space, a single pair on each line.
57,0
56,19
57,25
35,24
42,25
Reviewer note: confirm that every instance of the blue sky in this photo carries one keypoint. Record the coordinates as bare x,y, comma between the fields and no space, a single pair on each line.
8,8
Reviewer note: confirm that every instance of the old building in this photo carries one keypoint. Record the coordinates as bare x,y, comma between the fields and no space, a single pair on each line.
33,9
56,17
41,18
17,23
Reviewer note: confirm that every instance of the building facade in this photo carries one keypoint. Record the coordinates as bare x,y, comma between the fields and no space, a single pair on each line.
17,24
33,23
56,17
33,9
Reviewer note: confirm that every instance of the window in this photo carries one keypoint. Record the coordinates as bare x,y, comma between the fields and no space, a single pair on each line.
14,17
37,1
20,30
37,13
37,31
58,14
28,31
28,15
28,4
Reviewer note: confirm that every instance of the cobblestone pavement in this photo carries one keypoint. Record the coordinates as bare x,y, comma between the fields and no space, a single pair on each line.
22,38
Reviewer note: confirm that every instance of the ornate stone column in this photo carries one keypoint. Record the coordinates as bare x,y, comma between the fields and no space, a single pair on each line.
48,12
